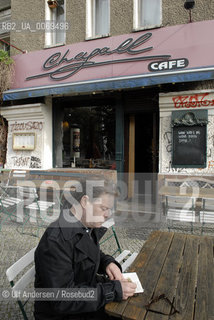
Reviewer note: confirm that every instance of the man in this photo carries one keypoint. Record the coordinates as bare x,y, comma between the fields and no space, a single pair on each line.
69,257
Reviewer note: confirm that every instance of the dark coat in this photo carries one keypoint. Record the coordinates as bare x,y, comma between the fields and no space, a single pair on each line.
67,257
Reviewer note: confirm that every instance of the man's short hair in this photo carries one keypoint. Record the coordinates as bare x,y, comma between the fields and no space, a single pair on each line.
93,187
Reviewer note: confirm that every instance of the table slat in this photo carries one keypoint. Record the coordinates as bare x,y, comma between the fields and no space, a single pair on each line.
149,276
169,278
115,308
204,305
185,293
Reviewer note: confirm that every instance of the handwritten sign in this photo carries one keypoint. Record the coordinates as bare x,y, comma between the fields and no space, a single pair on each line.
189,146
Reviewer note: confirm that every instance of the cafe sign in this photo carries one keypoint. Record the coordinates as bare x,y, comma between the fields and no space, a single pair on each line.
168,65
61,66
107,63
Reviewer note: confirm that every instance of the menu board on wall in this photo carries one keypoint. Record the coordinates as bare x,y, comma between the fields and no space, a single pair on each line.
189,140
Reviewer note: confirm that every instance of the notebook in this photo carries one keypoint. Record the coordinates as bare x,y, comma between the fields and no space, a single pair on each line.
133,277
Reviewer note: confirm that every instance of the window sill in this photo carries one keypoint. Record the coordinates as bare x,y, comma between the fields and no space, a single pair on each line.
53,45
98,37
147,28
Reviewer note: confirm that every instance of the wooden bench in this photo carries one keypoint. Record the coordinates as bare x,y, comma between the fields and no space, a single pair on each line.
180,209
207,213
185,199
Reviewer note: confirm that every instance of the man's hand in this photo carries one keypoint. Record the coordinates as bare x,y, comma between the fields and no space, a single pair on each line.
113,271
128,288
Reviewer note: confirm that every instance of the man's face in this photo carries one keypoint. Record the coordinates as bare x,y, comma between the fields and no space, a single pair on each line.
99,210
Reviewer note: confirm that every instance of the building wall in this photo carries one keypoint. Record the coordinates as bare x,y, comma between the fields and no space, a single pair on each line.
76,16
174,12
166,108
30,118
27,11
121,16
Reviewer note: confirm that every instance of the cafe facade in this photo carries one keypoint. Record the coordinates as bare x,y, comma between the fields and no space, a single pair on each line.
139,103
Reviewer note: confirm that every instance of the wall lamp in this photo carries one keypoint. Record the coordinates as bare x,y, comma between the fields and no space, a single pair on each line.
189,5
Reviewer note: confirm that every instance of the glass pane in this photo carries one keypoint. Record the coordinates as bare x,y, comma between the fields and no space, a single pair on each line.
101,17
5,46
149,12
60,17
89,137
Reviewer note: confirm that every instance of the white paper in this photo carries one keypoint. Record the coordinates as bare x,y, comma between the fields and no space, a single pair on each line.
134,278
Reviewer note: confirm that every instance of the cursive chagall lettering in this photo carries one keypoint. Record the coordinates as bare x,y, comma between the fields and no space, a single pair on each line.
83,59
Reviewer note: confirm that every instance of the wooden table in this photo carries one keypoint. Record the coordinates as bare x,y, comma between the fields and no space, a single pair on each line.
181,267
51,184
186,191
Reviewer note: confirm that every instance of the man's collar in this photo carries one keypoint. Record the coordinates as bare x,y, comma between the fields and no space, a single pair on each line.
71,226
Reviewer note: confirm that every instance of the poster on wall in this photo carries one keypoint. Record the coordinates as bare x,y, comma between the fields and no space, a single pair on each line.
24,141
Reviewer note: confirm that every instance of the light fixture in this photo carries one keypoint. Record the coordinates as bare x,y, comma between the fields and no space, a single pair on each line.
65,125
189,5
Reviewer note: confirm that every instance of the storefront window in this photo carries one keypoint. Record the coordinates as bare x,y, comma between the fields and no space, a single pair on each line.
89,137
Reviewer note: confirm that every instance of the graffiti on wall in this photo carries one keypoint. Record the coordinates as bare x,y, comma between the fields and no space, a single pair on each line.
193,101
30,125
168,140
35,162
211,164
169,168
26,162
20,159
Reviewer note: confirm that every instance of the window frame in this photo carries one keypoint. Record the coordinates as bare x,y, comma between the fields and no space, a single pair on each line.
90,21
49,36
136,18
3,45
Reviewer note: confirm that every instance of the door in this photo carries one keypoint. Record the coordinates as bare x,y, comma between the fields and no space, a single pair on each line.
143,153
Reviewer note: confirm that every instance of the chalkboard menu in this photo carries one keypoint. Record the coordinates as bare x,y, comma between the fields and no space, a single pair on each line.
189,139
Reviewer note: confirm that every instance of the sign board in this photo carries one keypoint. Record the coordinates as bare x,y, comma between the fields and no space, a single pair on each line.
142,53
189,139
24,141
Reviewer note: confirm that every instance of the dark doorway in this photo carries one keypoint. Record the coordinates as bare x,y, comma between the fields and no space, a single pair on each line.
146,152
146,143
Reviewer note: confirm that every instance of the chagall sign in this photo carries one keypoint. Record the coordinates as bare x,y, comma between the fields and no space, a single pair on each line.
65,63
163,51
